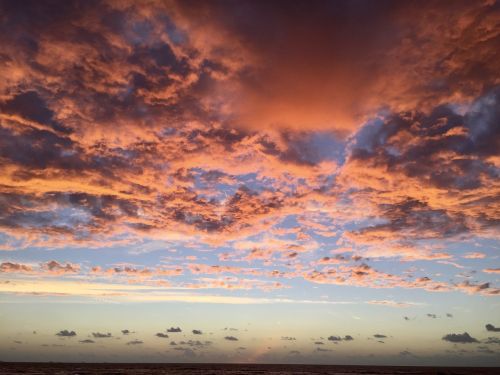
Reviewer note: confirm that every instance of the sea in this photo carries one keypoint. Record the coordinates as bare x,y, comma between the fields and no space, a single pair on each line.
228,369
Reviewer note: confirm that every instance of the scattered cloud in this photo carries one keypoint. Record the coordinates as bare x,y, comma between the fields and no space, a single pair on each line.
135,342
66,333
492,328
461,338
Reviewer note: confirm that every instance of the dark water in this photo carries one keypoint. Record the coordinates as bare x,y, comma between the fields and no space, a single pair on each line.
227,369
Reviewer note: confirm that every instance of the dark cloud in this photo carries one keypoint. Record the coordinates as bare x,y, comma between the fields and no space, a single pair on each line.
334,338
135,342
162,335
462,338
448,315
197,332
433,316
125,331
492,328
379,336
230,338
288,338
348,338
174,330
66,333
99,335
87,341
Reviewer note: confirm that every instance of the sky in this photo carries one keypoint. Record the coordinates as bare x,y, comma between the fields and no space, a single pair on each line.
250,181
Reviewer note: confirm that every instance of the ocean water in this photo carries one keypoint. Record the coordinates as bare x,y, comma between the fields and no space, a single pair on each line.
227,369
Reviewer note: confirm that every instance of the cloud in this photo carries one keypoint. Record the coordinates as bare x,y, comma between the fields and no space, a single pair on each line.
492,340
379,336
135,342
433,316
10,267
288,338
66,333
59,269
462,338
161,335
174,330
99,335
230,338
448,315
491,270
125,331
492,328
87,341
197,332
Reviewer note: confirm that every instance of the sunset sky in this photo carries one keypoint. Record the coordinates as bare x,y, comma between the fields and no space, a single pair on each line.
250,181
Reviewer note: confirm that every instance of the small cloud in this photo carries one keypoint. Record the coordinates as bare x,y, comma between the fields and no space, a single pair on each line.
379,336
348,338
288,338
491,270
322,350
406,318
87,341
174,330
462,338
448,315
433,316
99,335
230,338
334,338
492,328
319,343
125,331
173,343
162,335
197,332
66,333
405,353
135,342
492,340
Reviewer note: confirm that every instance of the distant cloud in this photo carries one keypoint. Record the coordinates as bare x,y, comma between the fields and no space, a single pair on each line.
339,338
492,328
174,330
492,270
162,335
197,332
66,333
9,267
433,316
99,335
462,338
288,338
125,331
448,315
231,338
406,318
334,338
87,341
379,336
319,343
492,340
135,342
